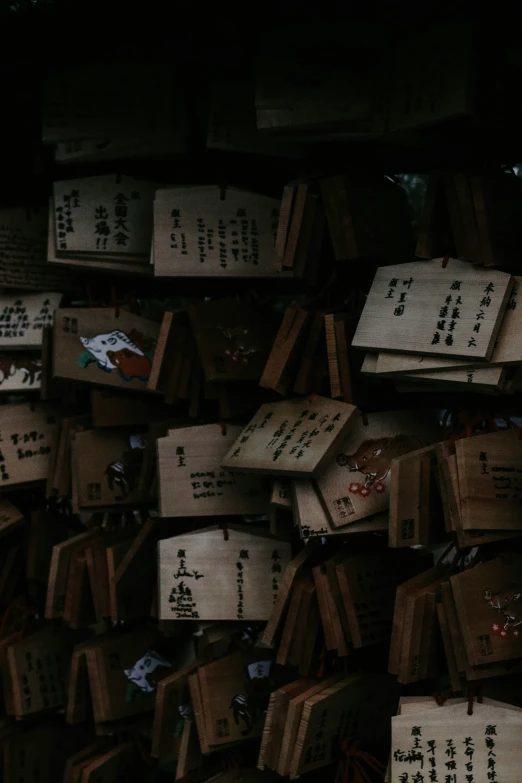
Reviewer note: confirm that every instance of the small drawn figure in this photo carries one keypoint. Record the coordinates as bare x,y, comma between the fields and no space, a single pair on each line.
139,673
240,708
244,343
32,369
121,474
130,364
508,603
373,457
116,350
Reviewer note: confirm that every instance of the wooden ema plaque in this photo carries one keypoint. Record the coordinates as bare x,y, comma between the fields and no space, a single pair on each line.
293,437
313,520
23,252
325,720
108,214
414,516
486,600
38,668
28,435
94,346
192,483
202,576
233,340
111,661
355,484
233,703
479,745
507,350
107,466
24,317
489,471
423,307
203,231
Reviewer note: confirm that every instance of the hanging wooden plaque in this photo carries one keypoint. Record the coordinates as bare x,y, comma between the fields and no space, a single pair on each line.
23,252
507,350
28,434
480,744
233,340
293,437
423,307
107,467
313,520
202,231
95,346
202,576
106,214
490,481
487,602
325,720
192,483
38,667
356,484
23,318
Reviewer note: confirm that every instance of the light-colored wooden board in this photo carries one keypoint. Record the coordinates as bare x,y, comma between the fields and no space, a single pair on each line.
293,438
490,731
325,716
490,481
192,483
94,346
100,262
294,714
355,484
507,350
202,576
411,307
105,214
23,253
23,318
28,433
197,233
302,559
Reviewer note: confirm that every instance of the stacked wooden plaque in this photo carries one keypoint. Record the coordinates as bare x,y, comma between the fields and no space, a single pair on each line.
442,324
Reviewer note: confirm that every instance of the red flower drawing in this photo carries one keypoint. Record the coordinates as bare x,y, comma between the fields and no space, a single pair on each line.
496,628
365,491
355,488
379,487
516,633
